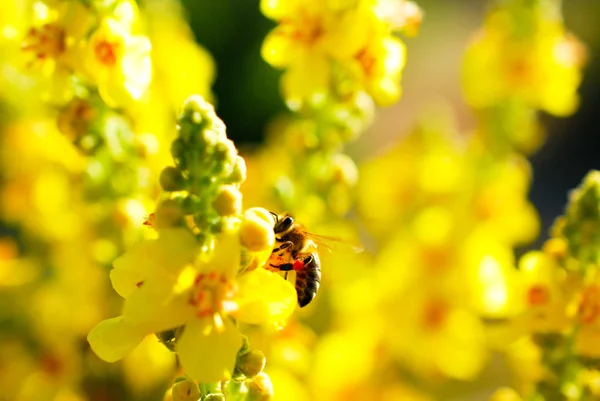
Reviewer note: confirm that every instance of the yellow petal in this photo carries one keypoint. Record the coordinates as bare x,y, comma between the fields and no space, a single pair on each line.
163,259
264,298
157,308
277,49
112,339
129,268
208,354
225,258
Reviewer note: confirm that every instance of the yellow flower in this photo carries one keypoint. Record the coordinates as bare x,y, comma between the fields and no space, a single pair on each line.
541,69
309,35
118,62
337,46
168,284
51,47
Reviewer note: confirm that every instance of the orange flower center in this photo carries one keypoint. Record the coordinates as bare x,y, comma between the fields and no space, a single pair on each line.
538,295
106,52
435,314
213,293
305,29
589,308
45,42
367,60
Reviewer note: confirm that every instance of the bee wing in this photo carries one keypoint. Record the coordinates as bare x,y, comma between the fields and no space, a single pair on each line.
335,243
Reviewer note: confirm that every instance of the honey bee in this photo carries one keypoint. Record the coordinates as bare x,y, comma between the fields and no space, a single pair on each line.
296,250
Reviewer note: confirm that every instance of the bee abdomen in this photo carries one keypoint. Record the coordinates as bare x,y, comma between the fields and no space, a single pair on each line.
308,281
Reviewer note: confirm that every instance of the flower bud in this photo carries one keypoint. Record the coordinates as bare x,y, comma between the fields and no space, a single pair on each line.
185,390
251,363
238,174
235,390
178,151
256,232
260,388
228,201
171,179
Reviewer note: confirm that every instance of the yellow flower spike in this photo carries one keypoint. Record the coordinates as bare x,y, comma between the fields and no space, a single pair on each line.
207,352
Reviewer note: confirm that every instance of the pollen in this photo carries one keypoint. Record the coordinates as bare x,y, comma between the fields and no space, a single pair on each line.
306,29
434,315
589,308
45,42
538,295
106,52
367,60
213,293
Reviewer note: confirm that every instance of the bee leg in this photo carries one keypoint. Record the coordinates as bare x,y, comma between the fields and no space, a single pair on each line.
284,267
283,246
285,275
308,260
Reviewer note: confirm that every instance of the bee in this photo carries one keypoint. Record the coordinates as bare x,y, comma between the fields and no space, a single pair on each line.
296,251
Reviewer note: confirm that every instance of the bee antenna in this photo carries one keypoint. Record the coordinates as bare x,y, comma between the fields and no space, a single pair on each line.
275,217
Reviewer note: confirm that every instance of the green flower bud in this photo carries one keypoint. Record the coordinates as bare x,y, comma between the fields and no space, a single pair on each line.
238,173
260,388
193,135
251,363
581,223
228,201
171,179
191,204
210,139
168,214
178,151
235,390
225,151
185,390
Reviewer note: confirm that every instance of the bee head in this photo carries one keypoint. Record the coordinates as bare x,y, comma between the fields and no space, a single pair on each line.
282,223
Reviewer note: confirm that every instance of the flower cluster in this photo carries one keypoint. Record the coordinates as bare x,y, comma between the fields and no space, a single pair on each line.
521,61
191,285
339,47
341,58
83,143
559,299
98,46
